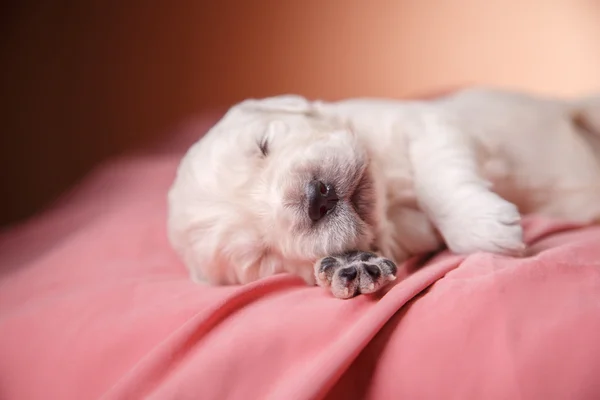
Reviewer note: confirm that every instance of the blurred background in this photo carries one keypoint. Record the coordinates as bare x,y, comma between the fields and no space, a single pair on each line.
82,81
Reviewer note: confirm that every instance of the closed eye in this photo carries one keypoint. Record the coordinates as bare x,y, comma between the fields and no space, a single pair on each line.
263,145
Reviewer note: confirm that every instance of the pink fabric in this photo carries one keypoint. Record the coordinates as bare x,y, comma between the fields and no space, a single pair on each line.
94,304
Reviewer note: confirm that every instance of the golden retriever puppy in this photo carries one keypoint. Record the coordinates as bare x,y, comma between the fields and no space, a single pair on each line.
340,193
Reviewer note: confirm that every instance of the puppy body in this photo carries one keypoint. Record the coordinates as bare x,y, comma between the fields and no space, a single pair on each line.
409,176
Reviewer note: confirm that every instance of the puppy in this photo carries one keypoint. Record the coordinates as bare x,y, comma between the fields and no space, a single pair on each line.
340,193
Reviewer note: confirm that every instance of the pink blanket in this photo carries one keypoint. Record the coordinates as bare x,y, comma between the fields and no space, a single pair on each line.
94,304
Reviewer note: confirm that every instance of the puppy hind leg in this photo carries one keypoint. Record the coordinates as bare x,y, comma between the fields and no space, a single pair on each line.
579,206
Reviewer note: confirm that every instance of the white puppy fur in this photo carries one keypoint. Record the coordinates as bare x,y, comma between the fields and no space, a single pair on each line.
410,176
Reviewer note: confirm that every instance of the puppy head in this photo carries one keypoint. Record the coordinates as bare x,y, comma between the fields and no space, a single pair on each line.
271,188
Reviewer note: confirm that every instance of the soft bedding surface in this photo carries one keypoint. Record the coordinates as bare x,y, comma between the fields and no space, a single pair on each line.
94,304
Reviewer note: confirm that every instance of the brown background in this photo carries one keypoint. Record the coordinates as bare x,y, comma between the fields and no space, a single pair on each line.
82,80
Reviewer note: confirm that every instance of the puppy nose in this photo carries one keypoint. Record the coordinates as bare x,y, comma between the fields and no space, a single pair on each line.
321,199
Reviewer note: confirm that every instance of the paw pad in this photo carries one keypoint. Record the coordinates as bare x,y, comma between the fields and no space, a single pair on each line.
354,273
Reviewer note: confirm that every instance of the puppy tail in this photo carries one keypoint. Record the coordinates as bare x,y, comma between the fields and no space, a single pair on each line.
586,115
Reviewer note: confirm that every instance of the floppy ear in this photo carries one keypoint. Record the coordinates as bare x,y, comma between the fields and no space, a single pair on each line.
215,239
288,103
221,254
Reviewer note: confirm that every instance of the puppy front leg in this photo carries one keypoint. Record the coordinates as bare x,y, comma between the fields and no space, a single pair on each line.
354,272
449,189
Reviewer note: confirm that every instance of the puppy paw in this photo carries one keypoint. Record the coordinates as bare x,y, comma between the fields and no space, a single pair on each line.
354,273
486,223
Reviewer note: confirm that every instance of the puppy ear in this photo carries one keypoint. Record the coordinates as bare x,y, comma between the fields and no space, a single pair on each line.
285,103
214,256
